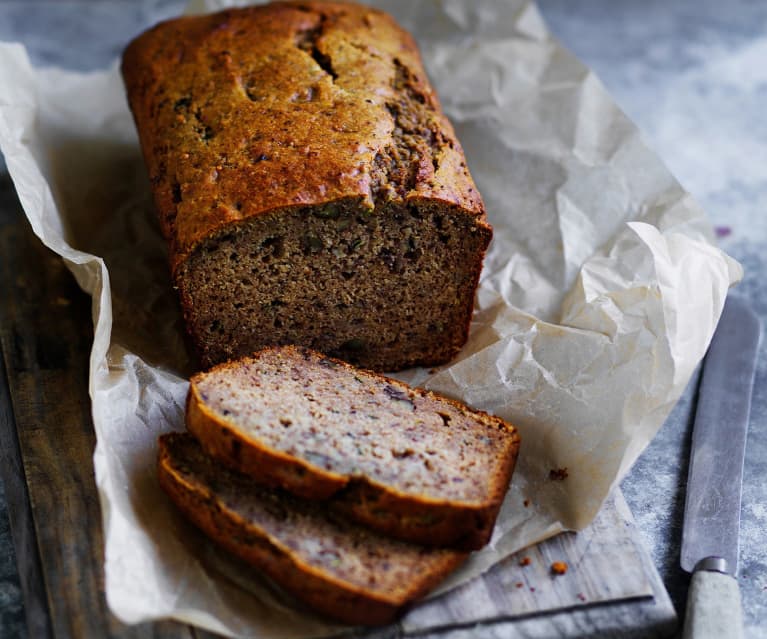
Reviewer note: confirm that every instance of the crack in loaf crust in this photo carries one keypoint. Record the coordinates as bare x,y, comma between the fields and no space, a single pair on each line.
341,570
309,186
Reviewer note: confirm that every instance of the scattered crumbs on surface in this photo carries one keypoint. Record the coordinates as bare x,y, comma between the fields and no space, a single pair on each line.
559,568
532,589
519,584
526,503
581,596
723,231
558,474
432,371
525,561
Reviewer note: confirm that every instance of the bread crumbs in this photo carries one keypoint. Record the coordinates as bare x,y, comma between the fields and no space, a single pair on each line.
558,474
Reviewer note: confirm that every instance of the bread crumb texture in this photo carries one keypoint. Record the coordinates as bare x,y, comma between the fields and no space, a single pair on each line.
353,423
340,569
403,460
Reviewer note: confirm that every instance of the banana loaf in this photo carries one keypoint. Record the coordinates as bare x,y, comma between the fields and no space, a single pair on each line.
340,570
403,461
310,188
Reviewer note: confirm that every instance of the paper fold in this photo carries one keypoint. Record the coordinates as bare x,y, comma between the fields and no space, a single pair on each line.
599,296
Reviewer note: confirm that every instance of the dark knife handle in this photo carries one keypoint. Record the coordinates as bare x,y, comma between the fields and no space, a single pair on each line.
713,603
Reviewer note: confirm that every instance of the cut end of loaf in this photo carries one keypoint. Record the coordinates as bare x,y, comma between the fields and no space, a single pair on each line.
311,189
384,289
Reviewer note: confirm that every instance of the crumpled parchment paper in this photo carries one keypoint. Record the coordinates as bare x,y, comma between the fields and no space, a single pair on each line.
598,299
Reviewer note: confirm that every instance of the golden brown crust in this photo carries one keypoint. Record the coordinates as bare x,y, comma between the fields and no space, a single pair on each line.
423,521
322,591
222,144
258,127
417,518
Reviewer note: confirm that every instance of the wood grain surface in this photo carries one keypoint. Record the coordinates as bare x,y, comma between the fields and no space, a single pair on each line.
47,445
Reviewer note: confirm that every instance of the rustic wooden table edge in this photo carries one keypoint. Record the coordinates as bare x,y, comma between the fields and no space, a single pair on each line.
54,513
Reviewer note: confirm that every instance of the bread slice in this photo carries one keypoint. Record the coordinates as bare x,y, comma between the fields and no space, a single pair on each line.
339,569
403,461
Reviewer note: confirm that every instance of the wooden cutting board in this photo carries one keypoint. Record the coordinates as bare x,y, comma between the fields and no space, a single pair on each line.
611,588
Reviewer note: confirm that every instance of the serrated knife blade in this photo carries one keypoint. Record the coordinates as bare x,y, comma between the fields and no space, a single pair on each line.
712,510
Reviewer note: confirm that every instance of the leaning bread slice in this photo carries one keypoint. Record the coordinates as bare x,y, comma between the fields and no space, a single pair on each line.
341,570
403,461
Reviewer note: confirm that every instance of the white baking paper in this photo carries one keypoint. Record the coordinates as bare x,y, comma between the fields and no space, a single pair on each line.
599,296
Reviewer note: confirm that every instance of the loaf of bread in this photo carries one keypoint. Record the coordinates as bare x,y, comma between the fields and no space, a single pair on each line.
339,569
402,461
309,186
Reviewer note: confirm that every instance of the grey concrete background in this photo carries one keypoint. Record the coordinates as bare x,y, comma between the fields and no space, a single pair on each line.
693,75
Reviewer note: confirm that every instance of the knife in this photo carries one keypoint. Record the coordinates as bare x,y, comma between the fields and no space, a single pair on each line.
712,509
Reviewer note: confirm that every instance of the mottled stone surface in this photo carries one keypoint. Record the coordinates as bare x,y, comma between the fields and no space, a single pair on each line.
81,34
692,74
